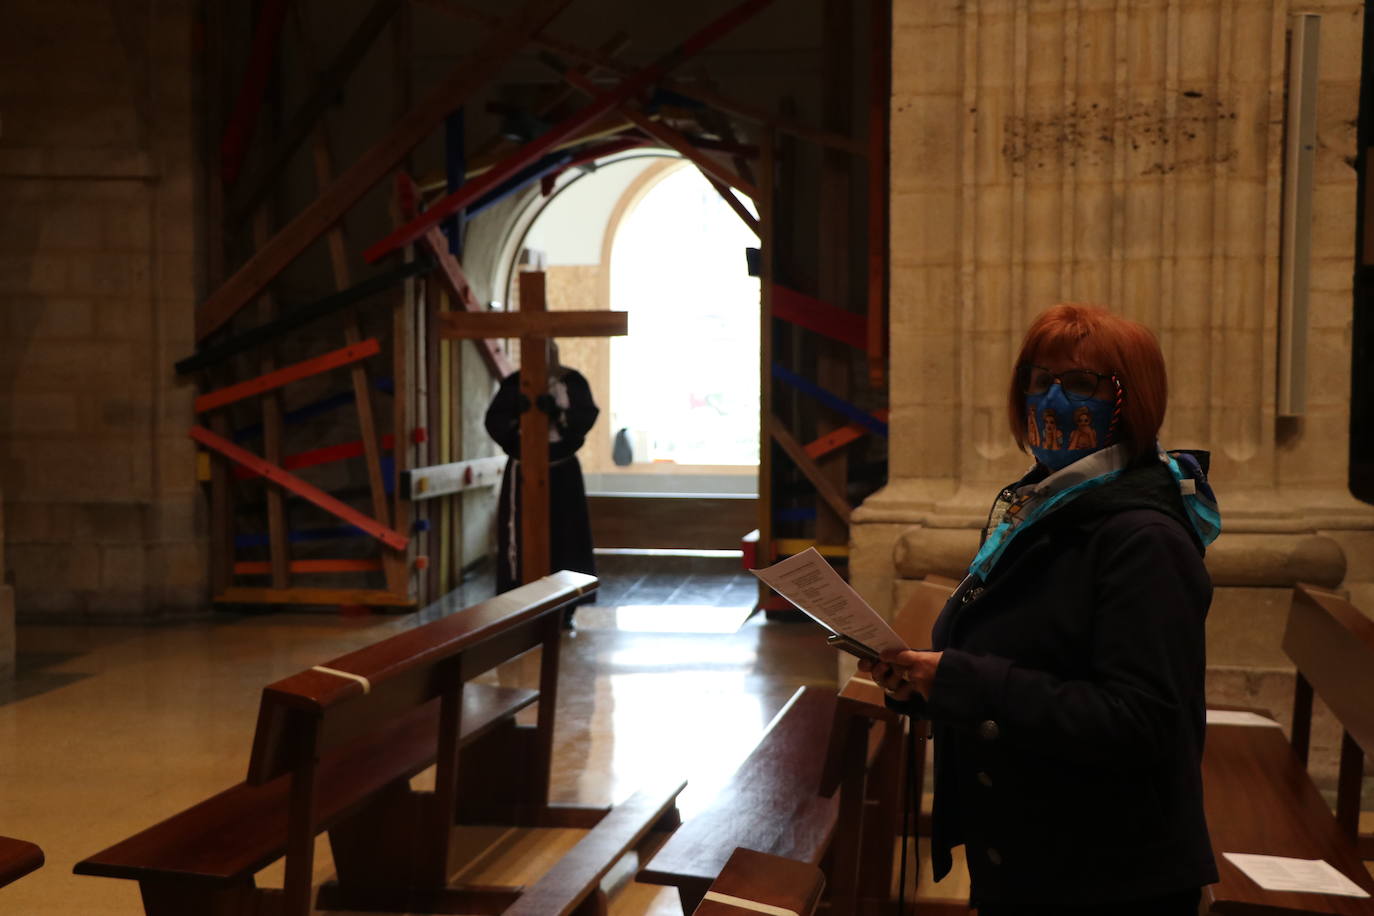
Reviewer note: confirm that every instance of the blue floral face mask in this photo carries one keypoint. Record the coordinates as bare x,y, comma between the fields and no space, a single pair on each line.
1060,431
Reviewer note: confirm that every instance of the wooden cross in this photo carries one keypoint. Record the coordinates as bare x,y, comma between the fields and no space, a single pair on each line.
534,324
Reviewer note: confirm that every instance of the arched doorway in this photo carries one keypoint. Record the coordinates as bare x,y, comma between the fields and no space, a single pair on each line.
646,234
685,383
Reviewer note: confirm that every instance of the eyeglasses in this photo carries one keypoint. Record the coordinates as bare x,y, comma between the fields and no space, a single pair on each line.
1077,384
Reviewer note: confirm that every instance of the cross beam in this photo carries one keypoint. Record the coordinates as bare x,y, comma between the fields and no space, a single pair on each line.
526,323
534,325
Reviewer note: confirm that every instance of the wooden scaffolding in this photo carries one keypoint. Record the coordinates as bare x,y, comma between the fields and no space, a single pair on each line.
369,359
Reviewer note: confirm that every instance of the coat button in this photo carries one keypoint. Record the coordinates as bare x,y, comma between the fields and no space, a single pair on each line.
994,856
984,779
988,731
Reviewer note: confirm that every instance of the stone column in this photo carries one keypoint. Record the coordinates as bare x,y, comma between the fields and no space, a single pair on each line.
1131,155
98,236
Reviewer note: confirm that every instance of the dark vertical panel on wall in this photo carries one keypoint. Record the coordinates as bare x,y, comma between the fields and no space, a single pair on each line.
1362,349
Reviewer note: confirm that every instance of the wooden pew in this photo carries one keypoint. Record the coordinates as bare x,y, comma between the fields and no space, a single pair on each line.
756,880
17,859
1258,795
573,885
335,748
913,622
800,794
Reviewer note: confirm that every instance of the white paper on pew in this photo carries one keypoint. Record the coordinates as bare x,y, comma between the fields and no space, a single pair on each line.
1279,873
812,584
1238,717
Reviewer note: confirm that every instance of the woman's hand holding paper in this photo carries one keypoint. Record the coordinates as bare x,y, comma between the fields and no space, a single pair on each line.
903,672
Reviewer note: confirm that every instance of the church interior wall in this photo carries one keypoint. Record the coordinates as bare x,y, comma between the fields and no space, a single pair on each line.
1131,156
99,246
1127,154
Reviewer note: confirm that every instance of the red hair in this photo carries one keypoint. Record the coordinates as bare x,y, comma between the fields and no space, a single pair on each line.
1093,338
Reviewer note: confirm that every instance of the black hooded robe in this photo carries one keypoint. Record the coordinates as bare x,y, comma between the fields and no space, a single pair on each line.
571,415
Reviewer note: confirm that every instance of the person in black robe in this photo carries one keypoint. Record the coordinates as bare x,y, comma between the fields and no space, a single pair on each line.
571,410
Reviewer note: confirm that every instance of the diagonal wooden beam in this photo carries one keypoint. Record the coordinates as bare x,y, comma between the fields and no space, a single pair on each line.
692,90
259,181
829,490
603,103
610,125
296,485
269,381
326,455
834,402
715,121
736,204
819,316
819,448
302,315
331,205
670,138
493,150
762,115
454,279
456,282
589,154
243,122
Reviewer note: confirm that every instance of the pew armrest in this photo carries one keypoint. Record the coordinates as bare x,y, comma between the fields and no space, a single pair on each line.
578,874
759,878
17,859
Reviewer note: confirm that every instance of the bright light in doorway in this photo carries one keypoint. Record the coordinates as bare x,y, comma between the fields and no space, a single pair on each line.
685,382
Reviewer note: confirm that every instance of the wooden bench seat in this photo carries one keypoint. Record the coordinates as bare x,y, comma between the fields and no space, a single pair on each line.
334,750
758,879
775,801
1258,795
243,829
1260,800
17,859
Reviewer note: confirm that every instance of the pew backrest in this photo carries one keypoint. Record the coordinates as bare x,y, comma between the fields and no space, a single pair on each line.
1257,791
332,739
801,794
316,711
916,618
1332,645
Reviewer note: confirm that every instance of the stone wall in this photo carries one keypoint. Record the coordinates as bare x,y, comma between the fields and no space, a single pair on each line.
1128,155
98,183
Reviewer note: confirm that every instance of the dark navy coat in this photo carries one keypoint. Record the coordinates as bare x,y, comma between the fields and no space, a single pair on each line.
1068,708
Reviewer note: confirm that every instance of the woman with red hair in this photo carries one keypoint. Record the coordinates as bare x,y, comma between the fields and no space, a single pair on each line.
1065,683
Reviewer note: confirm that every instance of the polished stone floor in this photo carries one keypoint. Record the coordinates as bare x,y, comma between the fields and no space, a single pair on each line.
109,729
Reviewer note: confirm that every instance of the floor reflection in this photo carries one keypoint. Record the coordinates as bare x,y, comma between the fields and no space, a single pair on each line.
109,729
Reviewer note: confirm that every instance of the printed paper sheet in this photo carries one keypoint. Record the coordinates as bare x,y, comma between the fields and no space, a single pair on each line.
812,584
